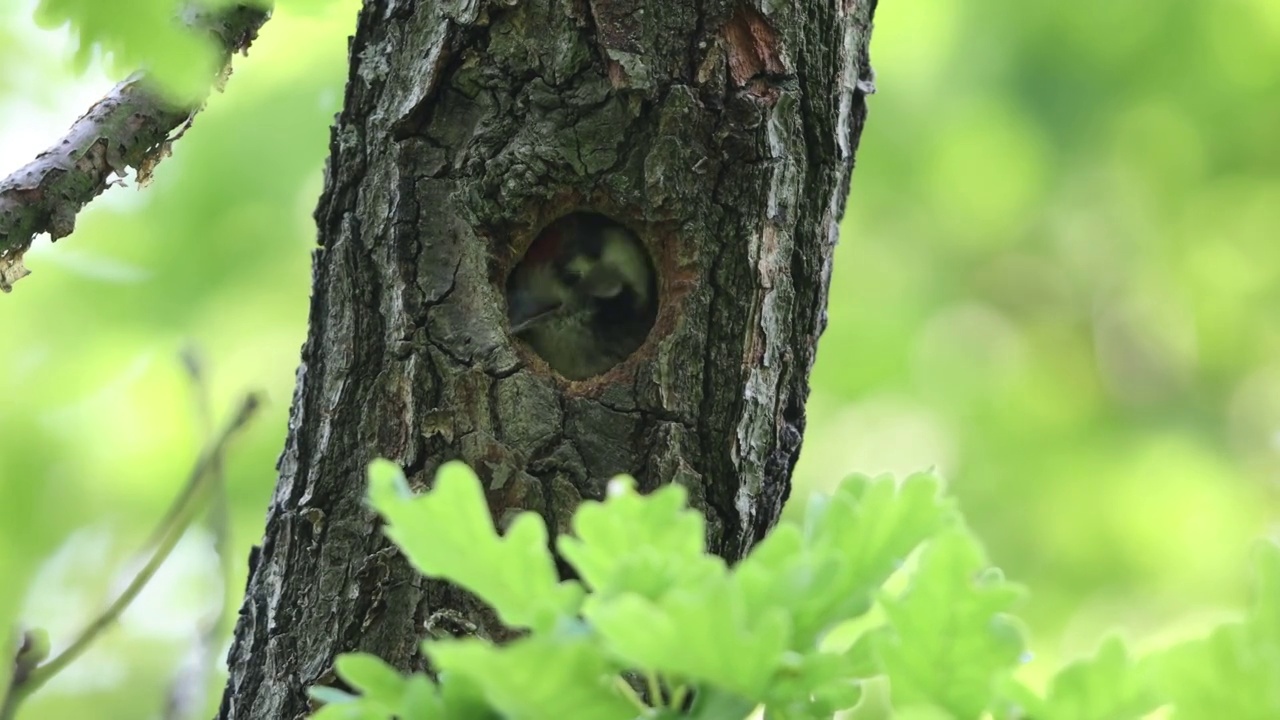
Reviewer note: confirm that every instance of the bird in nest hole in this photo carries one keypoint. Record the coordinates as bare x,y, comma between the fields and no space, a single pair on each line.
584,296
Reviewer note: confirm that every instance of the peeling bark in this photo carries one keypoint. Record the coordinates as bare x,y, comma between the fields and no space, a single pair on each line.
132,127
722,133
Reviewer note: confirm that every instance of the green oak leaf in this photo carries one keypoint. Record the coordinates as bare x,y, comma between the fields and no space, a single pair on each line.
447,532
949,637
549,676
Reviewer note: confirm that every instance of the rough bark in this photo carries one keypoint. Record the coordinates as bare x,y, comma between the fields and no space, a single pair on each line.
722,132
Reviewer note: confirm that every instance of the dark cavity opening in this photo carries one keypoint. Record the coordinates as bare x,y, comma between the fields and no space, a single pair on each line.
584,296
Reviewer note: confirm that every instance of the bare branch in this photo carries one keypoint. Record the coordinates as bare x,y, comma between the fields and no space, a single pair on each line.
131,127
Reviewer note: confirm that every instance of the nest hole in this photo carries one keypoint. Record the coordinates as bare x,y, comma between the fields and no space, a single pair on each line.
584,296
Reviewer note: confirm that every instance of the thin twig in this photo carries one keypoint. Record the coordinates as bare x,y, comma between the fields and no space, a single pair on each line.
183,698
169,536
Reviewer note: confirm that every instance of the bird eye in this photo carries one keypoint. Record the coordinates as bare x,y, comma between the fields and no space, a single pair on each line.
572,276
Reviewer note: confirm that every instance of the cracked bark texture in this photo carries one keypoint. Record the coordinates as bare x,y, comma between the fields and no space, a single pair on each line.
722,132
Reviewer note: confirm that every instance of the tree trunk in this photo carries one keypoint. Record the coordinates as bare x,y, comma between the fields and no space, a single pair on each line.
722,133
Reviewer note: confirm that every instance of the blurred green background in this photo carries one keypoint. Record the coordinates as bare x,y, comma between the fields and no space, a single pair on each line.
1057,283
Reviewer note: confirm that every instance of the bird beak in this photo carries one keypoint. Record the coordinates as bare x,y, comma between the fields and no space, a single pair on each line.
525,312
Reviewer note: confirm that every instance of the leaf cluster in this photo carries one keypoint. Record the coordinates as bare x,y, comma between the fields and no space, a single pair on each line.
881,586
150,34
797,628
